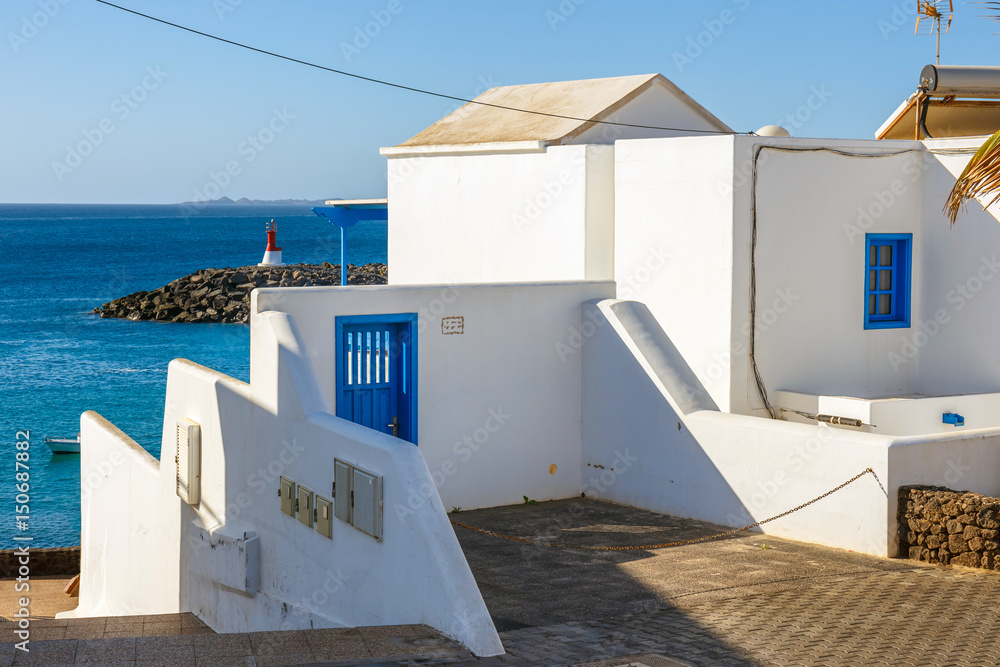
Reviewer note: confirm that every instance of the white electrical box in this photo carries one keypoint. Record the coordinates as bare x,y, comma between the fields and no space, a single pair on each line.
188,461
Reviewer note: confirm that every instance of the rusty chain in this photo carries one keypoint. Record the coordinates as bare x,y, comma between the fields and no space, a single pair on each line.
664,545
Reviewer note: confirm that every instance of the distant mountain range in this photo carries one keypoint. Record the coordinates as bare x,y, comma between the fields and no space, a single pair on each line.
243,201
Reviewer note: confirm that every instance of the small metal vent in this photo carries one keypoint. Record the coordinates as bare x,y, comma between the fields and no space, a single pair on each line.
188,460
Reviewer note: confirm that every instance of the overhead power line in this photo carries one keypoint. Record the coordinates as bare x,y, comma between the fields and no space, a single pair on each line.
398,85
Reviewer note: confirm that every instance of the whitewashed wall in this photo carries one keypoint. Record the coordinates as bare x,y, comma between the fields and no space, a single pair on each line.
128,541
953,339
135,524
502,216
653,438
813,210
683,234
498,405
673,245
657,106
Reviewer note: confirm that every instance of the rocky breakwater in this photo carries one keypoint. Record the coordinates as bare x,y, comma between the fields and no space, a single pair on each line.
223,295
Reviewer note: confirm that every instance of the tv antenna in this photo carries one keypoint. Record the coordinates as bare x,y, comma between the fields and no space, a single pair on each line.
930,15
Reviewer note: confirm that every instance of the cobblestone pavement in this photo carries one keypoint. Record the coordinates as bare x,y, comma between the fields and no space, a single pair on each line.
892,618
788,604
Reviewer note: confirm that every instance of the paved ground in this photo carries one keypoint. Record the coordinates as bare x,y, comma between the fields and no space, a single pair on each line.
747,600
181,640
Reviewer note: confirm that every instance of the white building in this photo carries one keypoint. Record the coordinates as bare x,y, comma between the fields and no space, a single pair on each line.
569,312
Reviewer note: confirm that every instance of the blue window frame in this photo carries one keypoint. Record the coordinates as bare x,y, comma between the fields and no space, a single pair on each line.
887,280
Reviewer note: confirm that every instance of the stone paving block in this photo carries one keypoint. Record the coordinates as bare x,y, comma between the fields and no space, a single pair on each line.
161,628
230,645
48,652
105,651
7,652
336,644
225,661
168,647
289,644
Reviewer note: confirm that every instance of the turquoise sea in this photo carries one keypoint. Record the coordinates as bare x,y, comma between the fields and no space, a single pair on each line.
57,360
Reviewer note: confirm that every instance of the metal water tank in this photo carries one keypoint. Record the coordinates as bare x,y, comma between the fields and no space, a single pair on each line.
947,79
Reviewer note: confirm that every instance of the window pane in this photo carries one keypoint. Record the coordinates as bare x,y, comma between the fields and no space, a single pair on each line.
871,281
871,304
871,256
885,304
350,355
885,280
885,255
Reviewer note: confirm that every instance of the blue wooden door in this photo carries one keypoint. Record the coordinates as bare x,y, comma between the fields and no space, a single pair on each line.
375,383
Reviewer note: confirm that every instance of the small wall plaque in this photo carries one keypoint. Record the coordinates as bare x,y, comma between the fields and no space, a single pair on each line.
453,325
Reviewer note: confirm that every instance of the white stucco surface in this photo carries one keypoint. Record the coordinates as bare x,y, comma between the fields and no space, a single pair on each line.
673,245
653,438
499,405
689,200
502,217
235,559
125,527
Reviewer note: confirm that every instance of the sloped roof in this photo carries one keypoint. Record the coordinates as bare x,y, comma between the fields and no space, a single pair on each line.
945,119
590,99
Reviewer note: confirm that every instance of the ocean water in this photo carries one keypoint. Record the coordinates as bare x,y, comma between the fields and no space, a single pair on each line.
58,360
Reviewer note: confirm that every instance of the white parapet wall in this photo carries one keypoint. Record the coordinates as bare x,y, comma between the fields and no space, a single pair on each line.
234,558
500,214
127,542
654,438
499,404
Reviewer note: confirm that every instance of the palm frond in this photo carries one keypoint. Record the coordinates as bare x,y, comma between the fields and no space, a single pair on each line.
979,179
993,9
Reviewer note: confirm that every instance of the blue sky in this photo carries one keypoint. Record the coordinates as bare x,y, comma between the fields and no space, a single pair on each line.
163,115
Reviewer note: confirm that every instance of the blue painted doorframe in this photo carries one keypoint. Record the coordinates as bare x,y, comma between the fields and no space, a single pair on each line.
377,372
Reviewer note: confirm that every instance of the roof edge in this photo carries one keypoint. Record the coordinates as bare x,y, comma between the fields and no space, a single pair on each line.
403,150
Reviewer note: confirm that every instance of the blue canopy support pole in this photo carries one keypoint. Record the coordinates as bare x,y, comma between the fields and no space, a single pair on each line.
343,255
344,213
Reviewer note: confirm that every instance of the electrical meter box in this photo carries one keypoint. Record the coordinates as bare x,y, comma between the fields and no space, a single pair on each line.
342,490
367,511
358,498
305,506
324,517
287,493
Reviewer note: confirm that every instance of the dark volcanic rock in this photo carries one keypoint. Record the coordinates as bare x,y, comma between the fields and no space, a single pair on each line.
223,295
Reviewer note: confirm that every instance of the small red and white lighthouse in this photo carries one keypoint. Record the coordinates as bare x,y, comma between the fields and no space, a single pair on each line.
272,256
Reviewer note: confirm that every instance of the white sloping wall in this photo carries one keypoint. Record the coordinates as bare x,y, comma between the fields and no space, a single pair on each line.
235,559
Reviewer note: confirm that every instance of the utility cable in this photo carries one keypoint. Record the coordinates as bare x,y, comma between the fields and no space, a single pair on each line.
772,411
399,85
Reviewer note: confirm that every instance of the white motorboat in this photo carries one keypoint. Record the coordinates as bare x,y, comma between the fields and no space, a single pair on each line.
64,445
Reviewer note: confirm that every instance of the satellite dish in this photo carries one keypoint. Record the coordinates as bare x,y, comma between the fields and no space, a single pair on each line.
772,131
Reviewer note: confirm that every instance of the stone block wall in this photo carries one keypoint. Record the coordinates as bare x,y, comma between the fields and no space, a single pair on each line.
57,560
938,525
